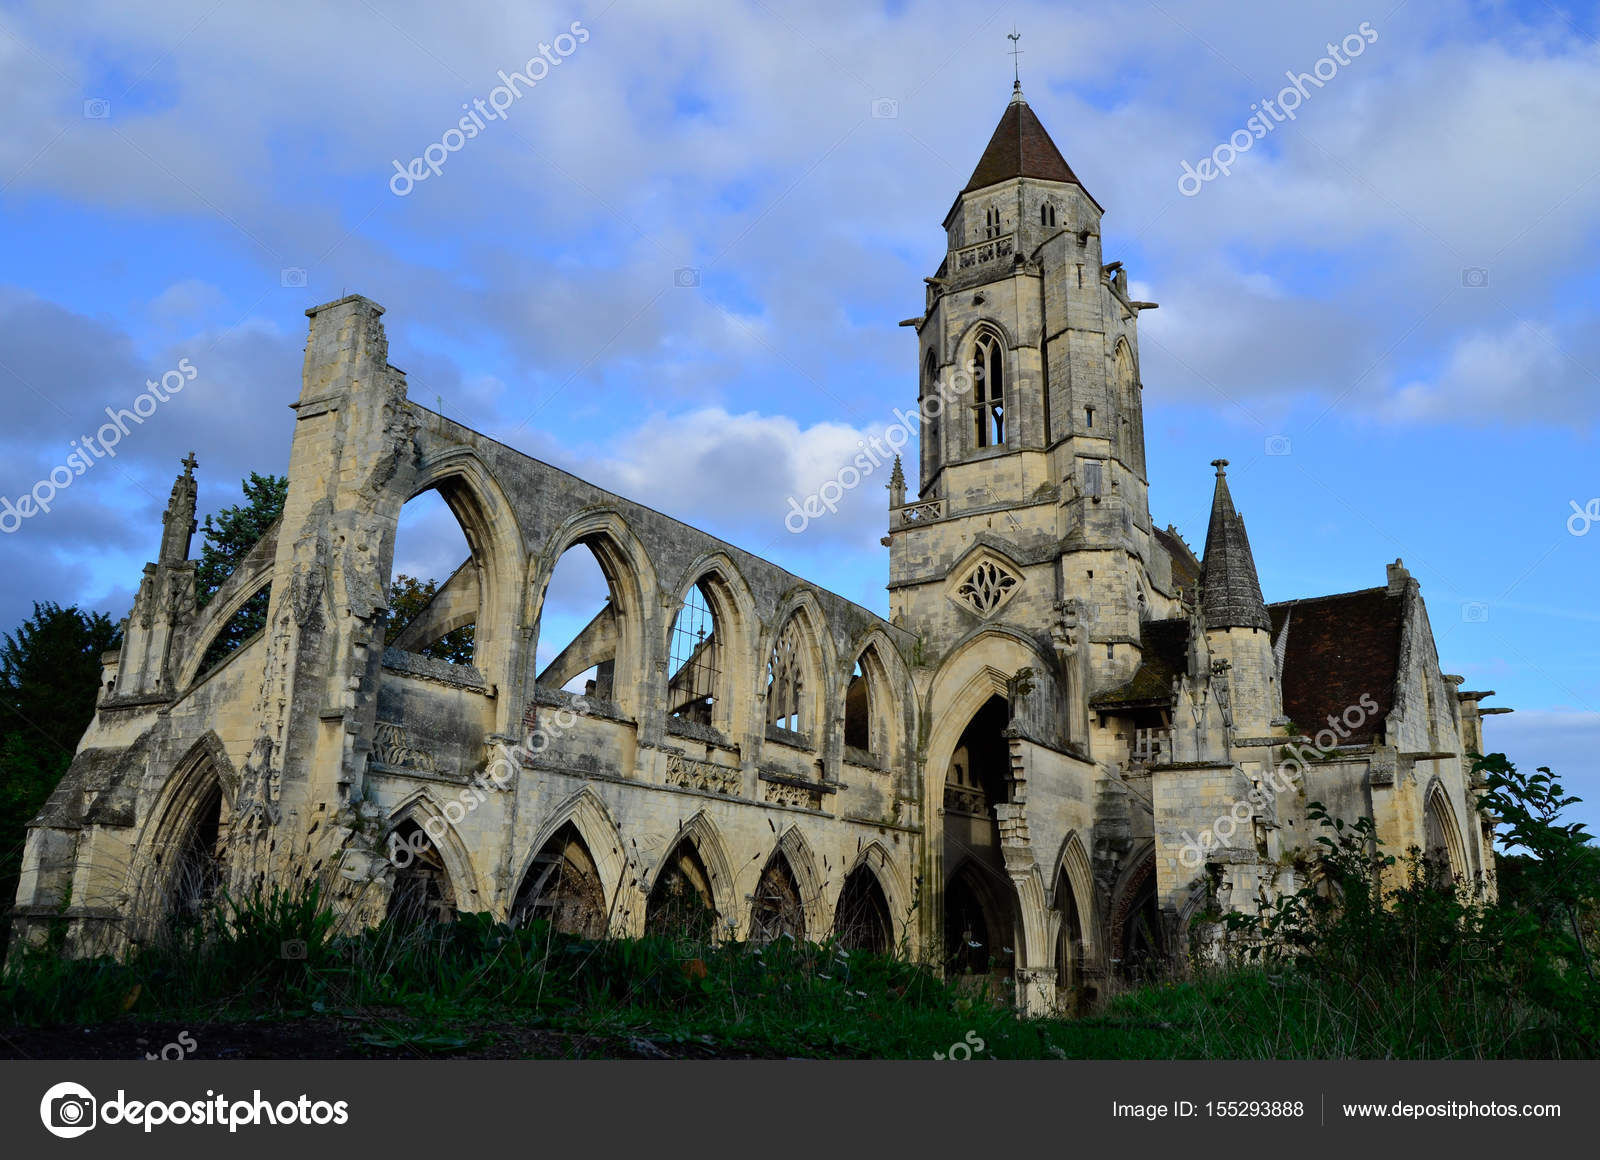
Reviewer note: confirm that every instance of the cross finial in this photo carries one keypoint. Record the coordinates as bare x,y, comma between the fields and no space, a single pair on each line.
189,464
1221,466
1016,67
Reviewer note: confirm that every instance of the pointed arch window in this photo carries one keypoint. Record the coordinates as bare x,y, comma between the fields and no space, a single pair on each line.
786,682
1047,214
694,659
989,390
991,223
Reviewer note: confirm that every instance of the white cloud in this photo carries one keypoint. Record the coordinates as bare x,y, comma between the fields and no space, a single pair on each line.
1524,371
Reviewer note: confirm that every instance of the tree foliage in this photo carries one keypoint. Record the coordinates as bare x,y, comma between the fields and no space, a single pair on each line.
408,596
1404,953
229,536
233,531
49,679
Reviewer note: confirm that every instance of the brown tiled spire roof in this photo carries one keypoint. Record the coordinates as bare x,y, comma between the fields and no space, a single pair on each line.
1020,147
1231,593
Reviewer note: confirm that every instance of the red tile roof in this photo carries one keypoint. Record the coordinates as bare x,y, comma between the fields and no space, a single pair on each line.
1340,648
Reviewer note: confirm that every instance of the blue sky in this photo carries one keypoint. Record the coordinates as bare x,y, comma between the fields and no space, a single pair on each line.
1396,288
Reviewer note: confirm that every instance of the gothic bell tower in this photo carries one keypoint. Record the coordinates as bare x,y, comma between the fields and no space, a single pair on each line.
1031,495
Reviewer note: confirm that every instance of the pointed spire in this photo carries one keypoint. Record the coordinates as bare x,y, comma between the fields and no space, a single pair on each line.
1020,147
1230,590
897,485
178,522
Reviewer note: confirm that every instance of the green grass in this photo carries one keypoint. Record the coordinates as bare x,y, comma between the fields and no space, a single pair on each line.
1374,957
452,989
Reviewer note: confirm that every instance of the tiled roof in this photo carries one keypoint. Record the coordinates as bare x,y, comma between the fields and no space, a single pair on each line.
1165,644
1185,565
1020,147
1339,649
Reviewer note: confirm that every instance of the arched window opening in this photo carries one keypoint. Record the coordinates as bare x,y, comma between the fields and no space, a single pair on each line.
930,415
1143,944
776,909
991,222
563,888
1440,854
981,765
988,386
858,711
578,627
422,892
241,628
788,685
434,599
694,665
861,920
1069,947
198,871
1047,214
680,903
977,899
1128,429
977,923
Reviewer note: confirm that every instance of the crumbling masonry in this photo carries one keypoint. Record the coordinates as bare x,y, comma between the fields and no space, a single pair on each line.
1070,737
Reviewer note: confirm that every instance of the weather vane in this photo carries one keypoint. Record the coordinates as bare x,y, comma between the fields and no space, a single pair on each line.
1016,70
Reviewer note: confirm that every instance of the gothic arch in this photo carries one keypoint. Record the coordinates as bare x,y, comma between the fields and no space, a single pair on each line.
962,342
628,574
991,363
981,915
490,527
1076,872
422,808
979,667
1137,934
248,578
1441,829
587,814
815,650
734,609
876,860
803,864
201,781
885,699
1129,432
701,836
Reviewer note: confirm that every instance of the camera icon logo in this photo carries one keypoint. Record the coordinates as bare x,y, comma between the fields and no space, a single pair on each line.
1474,611
885,108
293,949
96,109
1278,445
686,277
1474,277
292,276
68,1110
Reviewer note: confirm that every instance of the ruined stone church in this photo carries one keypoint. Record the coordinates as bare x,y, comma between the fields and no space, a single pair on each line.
1070,738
